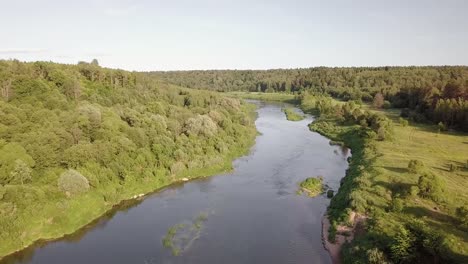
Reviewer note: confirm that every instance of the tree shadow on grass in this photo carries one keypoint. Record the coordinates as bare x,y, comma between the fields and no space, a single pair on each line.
396,169
419,211
443,223
400,188
458,166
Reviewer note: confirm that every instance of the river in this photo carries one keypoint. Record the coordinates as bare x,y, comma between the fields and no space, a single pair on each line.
251,215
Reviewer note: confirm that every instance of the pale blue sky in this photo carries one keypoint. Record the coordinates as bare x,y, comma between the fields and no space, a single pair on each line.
218,34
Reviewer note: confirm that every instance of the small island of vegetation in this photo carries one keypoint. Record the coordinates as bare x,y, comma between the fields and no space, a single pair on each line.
291,115
312,186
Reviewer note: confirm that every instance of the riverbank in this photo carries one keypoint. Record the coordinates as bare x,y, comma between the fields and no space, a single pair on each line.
62,216
378,186
92,213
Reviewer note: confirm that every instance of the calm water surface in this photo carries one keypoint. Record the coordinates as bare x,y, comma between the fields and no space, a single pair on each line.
253,215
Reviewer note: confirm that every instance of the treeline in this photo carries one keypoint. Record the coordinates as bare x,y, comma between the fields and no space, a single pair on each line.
438,94
87,133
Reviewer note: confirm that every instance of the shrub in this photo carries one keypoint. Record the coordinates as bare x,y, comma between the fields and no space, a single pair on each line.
313,186
376,256
72,182
21,173
397,205
441,127
378,101
403,122
414,190
415,166
462,216
402,248
430,186
177,167
387,104
200,125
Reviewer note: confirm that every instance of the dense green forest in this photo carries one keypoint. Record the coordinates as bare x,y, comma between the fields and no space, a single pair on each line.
437,94
82,134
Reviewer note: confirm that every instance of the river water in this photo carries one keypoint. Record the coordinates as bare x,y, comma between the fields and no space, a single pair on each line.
251,215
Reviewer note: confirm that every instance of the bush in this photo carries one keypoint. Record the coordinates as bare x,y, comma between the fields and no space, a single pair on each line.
462,216
397,205
414,190
441,127
402,248
387,105
430,186
403,122
72,182
312,186
200,125
177,167
21,173
415,166
376,256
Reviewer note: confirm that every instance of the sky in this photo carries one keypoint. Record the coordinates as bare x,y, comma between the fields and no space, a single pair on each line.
146,35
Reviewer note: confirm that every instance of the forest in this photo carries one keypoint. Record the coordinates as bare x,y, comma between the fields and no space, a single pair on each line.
82,134
437,94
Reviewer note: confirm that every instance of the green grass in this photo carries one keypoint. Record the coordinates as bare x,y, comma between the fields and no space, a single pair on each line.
312,186
291,115
275,97
378,175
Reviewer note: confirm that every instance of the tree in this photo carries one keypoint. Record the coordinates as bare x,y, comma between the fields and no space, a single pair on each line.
9,155
72,182
378,101
72,88
403,122
402,248
430,186
6,90
21,172
415,166
375,256
95,62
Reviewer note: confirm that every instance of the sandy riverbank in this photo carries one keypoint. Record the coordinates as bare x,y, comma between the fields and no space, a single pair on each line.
343,234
